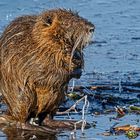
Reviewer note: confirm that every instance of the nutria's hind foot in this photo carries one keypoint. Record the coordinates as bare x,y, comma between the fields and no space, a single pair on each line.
34,121
7,122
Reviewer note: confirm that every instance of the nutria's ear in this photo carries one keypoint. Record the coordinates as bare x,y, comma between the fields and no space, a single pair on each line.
47,20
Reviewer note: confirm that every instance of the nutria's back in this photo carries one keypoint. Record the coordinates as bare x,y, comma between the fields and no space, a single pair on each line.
39,55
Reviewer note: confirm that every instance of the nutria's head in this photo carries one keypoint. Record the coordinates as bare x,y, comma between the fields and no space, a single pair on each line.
65,32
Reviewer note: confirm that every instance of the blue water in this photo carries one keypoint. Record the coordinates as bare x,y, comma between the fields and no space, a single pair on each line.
115,54
117,29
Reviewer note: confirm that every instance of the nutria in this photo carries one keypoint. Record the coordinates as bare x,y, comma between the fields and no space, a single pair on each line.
40,54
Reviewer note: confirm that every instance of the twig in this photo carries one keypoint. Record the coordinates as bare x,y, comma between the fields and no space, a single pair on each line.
72,108
83,120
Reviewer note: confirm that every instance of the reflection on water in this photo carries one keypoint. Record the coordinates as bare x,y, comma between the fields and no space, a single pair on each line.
115,54
16,134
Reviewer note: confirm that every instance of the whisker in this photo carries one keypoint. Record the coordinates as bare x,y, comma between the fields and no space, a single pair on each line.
79,39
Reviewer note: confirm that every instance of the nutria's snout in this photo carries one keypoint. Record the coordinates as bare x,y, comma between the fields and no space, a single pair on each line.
78,55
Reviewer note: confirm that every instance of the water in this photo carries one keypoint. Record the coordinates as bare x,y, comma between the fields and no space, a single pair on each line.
114,58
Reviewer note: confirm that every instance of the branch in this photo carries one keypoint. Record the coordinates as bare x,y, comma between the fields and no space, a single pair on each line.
72,108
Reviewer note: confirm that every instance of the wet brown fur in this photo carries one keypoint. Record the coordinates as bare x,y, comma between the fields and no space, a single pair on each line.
37,61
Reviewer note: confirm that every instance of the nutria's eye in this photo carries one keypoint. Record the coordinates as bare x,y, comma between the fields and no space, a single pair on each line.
91,30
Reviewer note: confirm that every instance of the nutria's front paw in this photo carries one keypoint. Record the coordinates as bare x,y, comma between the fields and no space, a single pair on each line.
34,121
